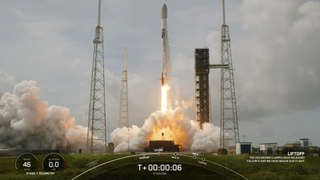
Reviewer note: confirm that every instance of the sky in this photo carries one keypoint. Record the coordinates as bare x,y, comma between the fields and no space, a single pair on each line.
275,50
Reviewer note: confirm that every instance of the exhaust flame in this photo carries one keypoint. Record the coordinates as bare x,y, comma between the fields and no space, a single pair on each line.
171,123
164,91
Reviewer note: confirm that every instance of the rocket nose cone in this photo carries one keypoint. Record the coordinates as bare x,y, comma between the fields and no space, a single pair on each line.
164,6
164,12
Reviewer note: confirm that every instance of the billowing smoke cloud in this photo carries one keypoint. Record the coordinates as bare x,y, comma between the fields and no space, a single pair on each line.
171,123
26,122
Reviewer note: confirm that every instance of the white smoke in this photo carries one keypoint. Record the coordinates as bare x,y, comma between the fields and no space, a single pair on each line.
171,123
26,122
187,104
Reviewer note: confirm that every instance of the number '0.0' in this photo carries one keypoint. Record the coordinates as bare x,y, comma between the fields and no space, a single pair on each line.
53,164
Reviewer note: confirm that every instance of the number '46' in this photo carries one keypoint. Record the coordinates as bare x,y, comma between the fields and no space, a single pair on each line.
27,164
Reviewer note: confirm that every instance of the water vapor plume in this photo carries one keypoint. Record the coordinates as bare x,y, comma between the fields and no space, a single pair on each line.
171,123
26,122
187,104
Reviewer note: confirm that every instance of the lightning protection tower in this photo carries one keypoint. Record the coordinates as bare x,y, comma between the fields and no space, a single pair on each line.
97,135
123,110
228,109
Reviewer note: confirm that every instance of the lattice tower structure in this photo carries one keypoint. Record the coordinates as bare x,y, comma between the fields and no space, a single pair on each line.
123,110
229,130
97,130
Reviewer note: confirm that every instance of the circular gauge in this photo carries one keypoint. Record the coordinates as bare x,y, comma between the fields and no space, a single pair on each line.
53,162
27,162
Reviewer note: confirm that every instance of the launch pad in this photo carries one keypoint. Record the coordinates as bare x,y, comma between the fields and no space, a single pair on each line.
164,146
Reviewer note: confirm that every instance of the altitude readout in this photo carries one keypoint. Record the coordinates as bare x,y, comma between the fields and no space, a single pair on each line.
160,167
27,162
53,162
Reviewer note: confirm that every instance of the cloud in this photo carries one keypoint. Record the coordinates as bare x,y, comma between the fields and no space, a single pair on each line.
308,23
6,78
275,71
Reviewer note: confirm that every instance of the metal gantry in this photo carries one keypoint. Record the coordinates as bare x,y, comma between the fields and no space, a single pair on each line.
202,68
97,133
123,110
228,109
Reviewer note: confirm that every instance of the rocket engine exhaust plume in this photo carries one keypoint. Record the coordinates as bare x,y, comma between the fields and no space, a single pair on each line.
164,98
26,122
174,127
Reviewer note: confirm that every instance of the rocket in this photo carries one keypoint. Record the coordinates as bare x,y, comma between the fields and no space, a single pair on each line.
164,46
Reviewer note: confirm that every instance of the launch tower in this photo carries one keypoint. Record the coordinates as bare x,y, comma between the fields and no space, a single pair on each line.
228,109
202,68
123,110
202,86
97,107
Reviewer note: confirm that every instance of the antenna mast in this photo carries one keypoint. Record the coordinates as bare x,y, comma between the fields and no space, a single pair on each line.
99,14
125,58
223,13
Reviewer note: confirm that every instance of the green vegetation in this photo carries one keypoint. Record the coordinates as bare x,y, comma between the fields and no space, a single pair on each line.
192,169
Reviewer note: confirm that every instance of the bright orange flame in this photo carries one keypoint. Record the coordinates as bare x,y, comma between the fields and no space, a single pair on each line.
166,130
164,90
167,133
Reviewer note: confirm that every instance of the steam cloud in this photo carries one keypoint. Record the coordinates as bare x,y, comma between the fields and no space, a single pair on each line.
171,123
187,104
25,120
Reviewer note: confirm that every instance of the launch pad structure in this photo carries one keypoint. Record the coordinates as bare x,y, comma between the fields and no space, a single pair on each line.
202,94
123,110
228,110
97,131
163,145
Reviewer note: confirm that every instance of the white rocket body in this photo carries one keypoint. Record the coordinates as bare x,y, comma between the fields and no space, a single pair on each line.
164,46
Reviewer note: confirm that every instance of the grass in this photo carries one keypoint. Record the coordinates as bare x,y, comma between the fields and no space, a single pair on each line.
191,168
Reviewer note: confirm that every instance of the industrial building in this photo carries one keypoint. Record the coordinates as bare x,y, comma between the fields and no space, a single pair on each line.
289,147
304,142
268,148
231,149
4,152
314,151
244,148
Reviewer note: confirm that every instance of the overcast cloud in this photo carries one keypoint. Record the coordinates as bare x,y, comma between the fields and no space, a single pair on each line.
275,48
